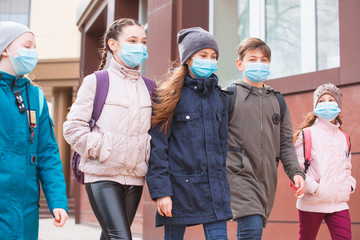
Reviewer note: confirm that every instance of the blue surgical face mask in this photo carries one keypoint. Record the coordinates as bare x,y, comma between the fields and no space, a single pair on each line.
25,62
327,111
133,54
257,72
203,68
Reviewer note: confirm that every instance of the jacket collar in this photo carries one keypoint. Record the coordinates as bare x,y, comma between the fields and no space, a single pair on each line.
123,72
326,125
8,79
203,86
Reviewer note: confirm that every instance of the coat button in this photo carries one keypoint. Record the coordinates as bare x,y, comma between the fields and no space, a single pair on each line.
195,87
33,159
187,180
129,171
187,117
109,149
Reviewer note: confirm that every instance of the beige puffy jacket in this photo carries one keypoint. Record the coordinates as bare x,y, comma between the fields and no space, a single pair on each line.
118,148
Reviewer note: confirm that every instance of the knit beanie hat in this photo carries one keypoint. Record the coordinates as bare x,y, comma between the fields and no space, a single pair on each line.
9,31
192,40
328,88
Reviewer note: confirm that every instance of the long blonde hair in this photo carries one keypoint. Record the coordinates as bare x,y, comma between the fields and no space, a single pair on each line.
310,120
167,95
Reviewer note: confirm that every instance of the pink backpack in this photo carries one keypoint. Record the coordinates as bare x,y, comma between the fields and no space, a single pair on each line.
306,132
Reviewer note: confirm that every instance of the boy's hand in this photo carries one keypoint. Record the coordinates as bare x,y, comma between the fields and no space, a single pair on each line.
299,184
60,217
164,206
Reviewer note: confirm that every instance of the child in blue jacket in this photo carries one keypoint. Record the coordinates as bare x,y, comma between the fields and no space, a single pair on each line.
29,154
187,173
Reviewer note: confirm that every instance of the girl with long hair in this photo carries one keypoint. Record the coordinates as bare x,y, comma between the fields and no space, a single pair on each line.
187,174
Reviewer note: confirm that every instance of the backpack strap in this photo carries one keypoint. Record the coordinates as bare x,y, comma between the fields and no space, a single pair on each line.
102,89
348,143
41,101
150,84
282,104
231,98
306,132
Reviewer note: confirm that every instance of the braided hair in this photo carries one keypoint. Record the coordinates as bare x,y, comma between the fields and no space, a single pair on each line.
113,32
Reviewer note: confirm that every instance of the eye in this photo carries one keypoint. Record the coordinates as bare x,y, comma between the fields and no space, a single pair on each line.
132,41
144,43
213,57
321,100
331,100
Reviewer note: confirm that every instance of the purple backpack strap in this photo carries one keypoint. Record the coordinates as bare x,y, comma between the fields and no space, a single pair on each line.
102,89
150,84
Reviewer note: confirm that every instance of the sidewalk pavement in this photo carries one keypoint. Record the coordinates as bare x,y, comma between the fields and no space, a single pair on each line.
70,231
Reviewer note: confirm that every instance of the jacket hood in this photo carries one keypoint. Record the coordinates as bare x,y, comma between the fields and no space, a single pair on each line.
8,79
265,90
203,86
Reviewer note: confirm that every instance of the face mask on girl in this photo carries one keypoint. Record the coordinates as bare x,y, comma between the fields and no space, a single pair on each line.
327,111
25,62
257,72
133,54
203,68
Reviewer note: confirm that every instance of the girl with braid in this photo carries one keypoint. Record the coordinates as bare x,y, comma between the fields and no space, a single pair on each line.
115,153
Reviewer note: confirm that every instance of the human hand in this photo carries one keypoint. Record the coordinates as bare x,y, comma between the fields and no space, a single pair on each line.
299,184
60,217
164,206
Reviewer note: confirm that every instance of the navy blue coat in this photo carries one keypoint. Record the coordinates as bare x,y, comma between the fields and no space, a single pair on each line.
188,163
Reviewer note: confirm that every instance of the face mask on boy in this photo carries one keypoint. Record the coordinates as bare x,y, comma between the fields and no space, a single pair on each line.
133,54
203,68
25,62
257,72
327,111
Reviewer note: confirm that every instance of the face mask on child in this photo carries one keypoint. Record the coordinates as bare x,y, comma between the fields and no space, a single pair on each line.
257,72
203,68
327,111
25,62
133,54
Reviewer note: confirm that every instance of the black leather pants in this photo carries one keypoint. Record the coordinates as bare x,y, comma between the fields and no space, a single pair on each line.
114,206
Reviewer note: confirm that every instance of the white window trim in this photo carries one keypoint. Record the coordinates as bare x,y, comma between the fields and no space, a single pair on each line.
308,36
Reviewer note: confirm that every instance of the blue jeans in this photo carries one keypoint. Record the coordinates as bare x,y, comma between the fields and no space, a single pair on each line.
249,227
215,230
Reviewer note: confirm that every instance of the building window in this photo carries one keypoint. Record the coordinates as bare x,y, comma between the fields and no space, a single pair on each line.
15,10
302,34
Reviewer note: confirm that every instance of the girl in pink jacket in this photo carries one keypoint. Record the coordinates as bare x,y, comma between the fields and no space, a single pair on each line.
114,156
328,178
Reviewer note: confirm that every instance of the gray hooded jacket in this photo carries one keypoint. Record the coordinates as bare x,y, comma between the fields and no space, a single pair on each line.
257,140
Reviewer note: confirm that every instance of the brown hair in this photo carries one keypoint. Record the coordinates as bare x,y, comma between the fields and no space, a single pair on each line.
252,44
309,121
113,32
167,96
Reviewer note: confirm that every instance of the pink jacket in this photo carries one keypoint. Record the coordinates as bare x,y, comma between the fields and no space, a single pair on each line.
118,148
329,171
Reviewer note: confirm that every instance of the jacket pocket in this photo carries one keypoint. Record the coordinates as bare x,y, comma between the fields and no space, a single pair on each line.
188,126
237,164
191,193
33,162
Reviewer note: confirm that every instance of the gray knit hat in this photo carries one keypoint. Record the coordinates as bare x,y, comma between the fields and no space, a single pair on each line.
192,40
9,31
328,88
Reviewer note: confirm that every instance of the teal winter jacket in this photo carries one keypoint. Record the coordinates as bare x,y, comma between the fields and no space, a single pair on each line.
24,165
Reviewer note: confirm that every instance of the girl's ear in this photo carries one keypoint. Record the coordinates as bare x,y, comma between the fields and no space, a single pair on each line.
112,44
240,65
5,53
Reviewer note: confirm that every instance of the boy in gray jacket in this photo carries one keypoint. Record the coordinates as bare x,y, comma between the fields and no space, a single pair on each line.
260,133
